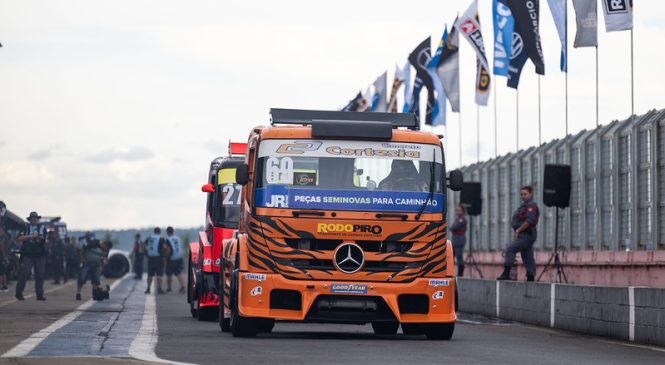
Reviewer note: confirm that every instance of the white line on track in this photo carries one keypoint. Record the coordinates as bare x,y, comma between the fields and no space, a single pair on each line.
12,301
143,346
33,341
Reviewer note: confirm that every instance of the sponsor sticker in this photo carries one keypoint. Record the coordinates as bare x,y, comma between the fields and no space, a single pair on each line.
348,288
217,262
437,295
207,261
438,282
304,178
258,277
257,290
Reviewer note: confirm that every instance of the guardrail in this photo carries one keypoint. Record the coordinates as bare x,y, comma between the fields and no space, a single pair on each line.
617,196
630,313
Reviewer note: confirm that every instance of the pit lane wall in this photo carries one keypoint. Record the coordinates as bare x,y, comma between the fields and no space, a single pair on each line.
625,313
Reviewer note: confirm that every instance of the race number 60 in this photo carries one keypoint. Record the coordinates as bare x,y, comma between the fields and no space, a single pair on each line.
279,170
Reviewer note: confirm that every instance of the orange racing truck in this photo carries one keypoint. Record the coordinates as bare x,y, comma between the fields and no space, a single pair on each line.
221,221
342,220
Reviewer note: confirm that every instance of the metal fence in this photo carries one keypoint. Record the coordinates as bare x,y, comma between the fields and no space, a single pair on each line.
617,195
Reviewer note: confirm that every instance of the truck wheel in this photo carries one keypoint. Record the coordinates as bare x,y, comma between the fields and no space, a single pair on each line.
266,325
385,328
413,329
191,294
240,326
440,331
224,323
208,314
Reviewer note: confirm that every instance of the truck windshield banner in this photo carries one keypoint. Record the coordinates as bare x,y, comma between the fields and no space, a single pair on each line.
284,196
351,149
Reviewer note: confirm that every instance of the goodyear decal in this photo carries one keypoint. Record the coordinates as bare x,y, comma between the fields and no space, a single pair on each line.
259,277
438,282
283,196
348,288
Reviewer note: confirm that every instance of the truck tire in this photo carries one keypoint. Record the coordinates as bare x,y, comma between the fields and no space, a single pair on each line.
191,293
240,326
440,331
385,328
413,329
207,314
224,323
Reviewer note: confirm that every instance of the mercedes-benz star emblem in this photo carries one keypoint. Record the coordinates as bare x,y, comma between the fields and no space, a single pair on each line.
349,258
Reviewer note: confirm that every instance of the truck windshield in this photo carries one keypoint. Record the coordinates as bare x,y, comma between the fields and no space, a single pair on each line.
227,198
350,175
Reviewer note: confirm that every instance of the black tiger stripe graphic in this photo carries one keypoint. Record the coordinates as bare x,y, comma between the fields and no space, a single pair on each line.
268,251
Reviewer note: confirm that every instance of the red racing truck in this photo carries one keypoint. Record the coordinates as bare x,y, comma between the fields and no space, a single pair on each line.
221,221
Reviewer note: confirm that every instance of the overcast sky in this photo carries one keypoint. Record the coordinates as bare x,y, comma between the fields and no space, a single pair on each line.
110,112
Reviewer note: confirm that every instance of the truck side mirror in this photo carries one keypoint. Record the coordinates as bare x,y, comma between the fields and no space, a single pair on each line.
208,188
455,180
242,174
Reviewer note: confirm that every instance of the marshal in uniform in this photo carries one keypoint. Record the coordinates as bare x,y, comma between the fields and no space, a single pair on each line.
524,223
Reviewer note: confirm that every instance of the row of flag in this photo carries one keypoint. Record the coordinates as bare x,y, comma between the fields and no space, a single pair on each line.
516,40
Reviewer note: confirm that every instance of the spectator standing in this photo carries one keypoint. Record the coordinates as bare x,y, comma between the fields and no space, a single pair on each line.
4,259
174,265
93,256
458,230
155,247
33,255
72,258
57,249
138,257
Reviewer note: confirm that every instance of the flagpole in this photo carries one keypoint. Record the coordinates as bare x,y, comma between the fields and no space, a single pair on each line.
539,116
565,38
459,140
517,120
597,119
495,128
477,133
632,74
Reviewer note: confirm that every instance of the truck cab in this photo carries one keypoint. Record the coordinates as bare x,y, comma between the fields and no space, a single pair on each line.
342,220
221,221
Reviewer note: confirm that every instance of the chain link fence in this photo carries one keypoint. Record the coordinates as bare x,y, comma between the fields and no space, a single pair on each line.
617,197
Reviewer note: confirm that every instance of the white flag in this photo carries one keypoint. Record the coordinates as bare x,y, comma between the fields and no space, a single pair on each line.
469,25
618,14
379,99
586,18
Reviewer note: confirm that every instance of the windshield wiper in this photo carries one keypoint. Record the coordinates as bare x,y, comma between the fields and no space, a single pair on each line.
392,215
431,187
298,213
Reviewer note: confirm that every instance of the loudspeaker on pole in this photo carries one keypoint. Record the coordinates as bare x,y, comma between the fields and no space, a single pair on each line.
556,186
470,198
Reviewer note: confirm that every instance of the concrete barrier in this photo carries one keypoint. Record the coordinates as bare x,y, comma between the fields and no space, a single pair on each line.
632,313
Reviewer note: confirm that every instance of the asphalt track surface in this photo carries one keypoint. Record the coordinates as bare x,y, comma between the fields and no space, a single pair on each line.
124,328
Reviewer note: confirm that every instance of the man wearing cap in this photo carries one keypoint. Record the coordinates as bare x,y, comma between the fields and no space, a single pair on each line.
174,265
154,248
33,254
